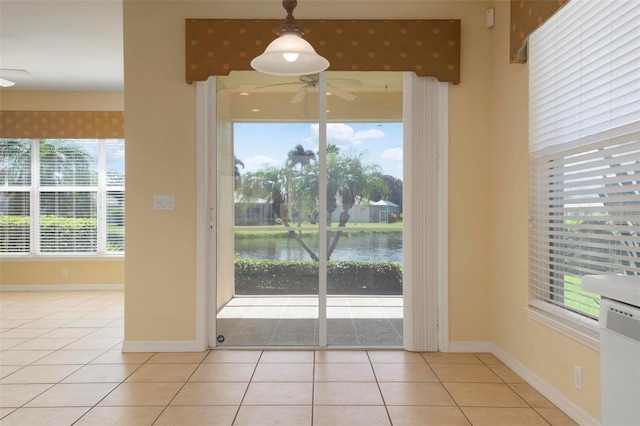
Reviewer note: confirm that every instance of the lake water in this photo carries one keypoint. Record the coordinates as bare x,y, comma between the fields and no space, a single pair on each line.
371,246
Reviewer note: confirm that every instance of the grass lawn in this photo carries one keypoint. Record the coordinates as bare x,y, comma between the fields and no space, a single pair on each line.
308,228
579,299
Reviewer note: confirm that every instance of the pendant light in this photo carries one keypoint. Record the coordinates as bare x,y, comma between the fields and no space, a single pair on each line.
289,54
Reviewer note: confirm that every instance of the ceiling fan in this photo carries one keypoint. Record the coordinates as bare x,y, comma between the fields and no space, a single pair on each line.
310,82
7,75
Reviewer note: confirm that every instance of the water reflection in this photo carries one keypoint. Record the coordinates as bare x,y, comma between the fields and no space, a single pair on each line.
370,246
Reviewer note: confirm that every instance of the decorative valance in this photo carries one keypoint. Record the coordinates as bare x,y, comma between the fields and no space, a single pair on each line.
427,47
62,124
526,17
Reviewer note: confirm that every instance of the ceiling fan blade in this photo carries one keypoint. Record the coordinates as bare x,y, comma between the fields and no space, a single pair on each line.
343,94
14,73
344,82
6,83
299,95
277,84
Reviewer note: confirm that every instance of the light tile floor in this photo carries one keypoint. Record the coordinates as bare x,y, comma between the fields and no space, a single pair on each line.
61,364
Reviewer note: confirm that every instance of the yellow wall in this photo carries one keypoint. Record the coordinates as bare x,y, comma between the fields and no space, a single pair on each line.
160,130
48,271
545,352
488,181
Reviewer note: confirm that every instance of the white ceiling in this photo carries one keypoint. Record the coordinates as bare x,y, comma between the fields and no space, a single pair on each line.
78,45
65,45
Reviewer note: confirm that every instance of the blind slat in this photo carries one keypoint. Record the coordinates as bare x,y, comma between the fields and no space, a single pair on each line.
584,143
68,198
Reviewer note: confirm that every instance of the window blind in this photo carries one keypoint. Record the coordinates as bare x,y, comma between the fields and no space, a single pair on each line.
584,139
15,199
61,196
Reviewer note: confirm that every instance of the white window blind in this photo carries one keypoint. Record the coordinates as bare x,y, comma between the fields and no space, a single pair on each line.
584,133
15,203
61,196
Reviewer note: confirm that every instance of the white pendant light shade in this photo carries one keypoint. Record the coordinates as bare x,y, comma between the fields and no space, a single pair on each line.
290,54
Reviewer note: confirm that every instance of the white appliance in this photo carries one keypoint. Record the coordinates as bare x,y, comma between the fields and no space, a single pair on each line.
619,347
620,363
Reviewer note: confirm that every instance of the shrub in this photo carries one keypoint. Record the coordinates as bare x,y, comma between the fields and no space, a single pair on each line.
15,232
271,277
58,234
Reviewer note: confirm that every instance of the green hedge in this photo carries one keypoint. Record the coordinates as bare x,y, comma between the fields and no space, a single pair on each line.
14,233
278,277
70,234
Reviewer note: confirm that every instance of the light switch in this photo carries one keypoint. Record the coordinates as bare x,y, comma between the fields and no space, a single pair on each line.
163,202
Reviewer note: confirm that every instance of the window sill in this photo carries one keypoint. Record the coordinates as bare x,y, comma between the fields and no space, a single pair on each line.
587,334
62,258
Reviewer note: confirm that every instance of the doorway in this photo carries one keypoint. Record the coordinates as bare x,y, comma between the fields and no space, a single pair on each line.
308,269
424,273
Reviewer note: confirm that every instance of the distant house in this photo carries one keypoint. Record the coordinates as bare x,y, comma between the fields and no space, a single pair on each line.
371,212
379,211
258,212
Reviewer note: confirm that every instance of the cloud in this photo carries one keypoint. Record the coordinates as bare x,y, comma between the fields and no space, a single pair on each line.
115,150
257,162
393,155
343,134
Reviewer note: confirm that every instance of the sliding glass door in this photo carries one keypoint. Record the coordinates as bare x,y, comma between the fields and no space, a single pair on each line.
309,210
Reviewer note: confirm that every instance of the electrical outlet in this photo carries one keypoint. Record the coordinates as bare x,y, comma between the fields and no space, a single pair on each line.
64,273
577,377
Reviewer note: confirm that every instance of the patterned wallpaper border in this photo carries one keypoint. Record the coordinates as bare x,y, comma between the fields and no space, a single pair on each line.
62,124
526,17
428,47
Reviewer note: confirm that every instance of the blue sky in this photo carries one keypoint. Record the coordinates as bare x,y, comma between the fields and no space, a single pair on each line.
259,144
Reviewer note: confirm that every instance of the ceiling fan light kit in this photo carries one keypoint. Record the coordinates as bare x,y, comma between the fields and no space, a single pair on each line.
290,54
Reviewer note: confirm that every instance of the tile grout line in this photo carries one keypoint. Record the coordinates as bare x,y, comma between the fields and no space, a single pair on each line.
116,387
313,388
375,376
447,390
176,394
235,417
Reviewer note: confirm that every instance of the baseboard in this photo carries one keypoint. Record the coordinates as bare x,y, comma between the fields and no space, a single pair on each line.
570,408
470,346
63,287
162,346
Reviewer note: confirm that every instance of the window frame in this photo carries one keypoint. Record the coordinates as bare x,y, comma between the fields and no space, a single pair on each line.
101,190
553,140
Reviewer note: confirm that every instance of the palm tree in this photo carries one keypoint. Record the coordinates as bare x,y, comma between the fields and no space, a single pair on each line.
62,163
66,163
274,184
349,180
15,162
299,155
236,170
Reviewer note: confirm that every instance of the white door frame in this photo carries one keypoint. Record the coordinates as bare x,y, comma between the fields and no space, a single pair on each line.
426,120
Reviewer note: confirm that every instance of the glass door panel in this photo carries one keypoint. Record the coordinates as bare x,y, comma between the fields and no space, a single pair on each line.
268,238
364,287
269,210
364,197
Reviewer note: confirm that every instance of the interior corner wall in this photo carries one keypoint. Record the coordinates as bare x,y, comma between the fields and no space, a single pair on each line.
160,126
38,272
545,353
